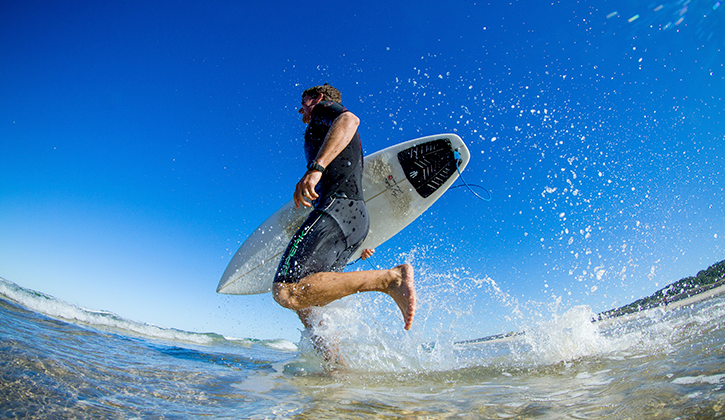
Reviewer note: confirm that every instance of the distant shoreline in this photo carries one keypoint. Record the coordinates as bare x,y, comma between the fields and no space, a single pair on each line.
689,289
671,306
686,297
706,294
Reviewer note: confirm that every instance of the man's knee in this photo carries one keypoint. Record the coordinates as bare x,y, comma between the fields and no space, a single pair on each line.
285,295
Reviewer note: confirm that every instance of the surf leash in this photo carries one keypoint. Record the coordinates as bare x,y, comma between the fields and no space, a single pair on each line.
360,259
457,156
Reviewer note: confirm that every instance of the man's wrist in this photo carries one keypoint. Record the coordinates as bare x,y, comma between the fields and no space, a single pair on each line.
315,166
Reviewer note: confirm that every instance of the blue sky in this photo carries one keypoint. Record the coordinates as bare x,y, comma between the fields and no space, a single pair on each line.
141,143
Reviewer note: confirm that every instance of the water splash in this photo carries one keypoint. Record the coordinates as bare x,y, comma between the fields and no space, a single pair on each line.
366,329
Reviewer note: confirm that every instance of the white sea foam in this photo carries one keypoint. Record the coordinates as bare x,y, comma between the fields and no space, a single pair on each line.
281,345
689,380
568,337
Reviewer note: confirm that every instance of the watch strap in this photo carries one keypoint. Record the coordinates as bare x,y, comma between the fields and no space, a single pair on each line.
315,166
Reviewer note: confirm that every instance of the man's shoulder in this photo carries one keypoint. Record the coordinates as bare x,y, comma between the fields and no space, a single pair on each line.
330,105
327,111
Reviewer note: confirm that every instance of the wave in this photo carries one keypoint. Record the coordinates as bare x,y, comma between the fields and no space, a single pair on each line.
362,330
109,322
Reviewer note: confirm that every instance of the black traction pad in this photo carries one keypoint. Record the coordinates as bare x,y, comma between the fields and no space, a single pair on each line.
429,165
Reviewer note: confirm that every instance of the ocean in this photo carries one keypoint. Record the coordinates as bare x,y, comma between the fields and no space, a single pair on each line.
62,361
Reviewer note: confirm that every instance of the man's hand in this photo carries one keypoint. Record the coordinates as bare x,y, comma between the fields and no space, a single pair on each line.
367,253
305,189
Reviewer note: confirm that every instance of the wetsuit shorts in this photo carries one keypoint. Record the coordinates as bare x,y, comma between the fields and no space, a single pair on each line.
333,231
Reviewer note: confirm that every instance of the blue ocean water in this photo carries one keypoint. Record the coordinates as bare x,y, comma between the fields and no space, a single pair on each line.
62,361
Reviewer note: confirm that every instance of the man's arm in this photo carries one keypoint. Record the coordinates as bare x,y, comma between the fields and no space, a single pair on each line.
341,133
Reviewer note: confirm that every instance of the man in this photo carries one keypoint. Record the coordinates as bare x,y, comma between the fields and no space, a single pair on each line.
310,273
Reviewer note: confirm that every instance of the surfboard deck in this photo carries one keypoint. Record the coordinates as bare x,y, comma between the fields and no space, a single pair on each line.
399,184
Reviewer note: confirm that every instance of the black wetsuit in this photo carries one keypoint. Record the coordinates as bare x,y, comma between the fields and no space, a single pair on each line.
339,222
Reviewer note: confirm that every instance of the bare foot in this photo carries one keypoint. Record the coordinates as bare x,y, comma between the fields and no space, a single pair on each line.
403,293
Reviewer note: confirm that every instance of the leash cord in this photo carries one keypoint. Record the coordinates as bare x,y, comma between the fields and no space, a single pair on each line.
457,156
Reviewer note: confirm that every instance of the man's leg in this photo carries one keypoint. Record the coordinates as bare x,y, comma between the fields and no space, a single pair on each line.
319,289
330,351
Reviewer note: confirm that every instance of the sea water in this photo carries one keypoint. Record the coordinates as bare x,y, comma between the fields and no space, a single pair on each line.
61,361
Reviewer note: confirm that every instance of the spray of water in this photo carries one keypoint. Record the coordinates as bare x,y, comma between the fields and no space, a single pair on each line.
366,329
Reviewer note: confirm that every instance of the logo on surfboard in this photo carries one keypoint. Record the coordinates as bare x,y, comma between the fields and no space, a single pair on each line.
393,187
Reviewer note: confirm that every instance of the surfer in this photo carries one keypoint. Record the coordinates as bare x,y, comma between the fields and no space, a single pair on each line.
310,273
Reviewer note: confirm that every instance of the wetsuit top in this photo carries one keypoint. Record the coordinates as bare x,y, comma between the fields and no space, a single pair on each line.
338,225
343,176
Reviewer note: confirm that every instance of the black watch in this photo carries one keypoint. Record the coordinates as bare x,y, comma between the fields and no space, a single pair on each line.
314,166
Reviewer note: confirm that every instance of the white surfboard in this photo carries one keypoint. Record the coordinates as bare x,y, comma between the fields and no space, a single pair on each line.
399,184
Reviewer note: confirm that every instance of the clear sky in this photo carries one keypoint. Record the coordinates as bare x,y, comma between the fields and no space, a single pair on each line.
141,142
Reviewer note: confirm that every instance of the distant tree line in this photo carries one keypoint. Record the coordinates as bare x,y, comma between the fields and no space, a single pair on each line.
705,280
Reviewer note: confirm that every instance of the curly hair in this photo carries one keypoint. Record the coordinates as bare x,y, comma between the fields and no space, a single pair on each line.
328,92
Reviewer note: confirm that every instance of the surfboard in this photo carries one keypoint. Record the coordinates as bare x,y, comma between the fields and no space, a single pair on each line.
399,184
